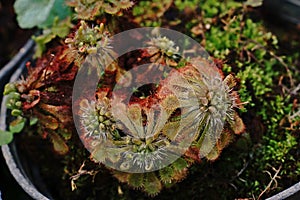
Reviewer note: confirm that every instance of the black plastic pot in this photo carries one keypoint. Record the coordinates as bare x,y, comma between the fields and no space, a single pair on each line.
292,193
28,177
9,73
284,10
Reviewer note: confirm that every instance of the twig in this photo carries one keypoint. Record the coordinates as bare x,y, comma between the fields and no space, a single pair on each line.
273,179
295,90
279,59
285,66
296,114
81,172
238,174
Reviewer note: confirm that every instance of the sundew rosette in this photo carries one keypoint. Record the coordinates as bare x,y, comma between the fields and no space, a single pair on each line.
150,121
136,136
213,109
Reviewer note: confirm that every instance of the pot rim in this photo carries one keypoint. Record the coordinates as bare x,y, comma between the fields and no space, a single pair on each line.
289,192
16,172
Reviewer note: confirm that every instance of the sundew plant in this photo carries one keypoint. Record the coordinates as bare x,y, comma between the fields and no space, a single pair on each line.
213,114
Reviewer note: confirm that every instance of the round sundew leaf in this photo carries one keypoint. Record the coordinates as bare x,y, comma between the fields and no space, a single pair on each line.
237,124
59,144
5,137
180,164
136,180
213,154
152,184
166,174
33,121
17,125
